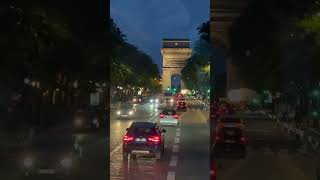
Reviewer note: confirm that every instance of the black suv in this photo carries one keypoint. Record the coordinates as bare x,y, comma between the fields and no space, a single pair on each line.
230,140
143,138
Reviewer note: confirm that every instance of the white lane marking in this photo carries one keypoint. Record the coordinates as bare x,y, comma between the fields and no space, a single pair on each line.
175,148
120,145
176,140
177,134
171,175
178,129
115,150
173,161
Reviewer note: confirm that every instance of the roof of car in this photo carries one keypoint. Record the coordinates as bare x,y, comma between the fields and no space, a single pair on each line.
144,124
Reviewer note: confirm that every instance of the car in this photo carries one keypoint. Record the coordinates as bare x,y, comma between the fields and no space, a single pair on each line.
230,140
230,120
143,138
154,100
52,154
126,111
84,121
213,167
137,100
181,105
169,117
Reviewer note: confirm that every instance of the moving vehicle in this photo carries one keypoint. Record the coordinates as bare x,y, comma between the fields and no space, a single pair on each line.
126,111
143,138
137,99
154,100
213,167
230,140
169,117
84,121
181,105
230,120
51,155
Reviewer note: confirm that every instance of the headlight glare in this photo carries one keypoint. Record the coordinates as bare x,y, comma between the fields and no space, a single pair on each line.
131,112
66,162
118,112
28,162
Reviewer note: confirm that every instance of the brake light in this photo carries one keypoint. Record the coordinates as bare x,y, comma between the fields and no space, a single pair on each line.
155,139
243,139
161,115
127,138
176,116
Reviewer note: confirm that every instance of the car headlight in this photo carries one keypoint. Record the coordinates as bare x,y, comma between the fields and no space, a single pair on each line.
28,162
134,100
66,162
131,112
151,100
118,112
157,100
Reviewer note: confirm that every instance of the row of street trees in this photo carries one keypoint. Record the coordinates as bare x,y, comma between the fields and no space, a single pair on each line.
196,74
276,47
47,43
131,69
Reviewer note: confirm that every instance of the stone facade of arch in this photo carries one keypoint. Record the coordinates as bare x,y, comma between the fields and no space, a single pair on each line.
174,60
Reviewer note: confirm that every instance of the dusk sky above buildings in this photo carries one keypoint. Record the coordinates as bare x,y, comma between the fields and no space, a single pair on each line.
146,22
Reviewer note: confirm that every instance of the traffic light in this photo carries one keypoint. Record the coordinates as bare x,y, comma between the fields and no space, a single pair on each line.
174,89
168,88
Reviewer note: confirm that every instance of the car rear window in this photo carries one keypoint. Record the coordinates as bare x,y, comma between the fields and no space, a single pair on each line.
230,120
228,131
169,112
142,131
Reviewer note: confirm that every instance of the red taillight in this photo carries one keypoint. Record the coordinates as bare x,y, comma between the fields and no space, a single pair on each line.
176,116
127,138
161,115
243,139
155,139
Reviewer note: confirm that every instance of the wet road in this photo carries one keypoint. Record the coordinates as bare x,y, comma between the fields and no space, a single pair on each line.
272,155
186,148
92,165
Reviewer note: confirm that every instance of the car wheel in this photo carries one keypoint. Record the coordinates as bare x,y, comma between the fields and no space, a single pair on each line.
125,156
159,155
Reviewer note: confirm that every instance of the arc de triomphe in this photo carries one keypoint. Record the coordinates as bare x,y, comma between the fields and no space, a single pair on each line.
175,53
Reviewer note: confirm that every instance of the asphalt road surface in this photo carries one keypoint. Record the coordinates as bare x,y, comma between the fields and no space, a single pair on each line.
272,155
93,164
186,147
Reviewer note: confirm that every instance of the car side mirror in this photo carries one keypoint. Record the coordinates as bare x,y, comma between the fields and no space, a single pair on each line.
163,130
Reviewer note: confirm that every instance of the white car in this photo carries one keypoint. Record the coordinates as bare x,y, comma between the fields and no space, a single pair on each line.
168,117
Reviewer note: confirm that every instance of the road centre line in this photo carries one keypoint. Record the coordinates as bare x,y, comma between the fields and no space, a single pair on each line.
175,148
176,140
173,161
171,175
120,145
177,134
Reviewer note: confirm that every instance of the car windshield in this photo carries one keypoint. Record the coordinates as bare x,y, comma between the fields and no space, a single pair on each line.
126,106
169,112
60,141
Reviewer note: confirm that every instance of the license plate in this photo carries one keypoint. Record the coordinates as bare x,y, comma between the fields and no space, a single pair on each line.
141,140
230,141
46,171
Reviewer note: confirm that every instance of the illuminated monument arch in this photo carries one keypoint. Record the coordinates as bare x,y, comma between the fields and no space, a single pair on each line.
175,53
